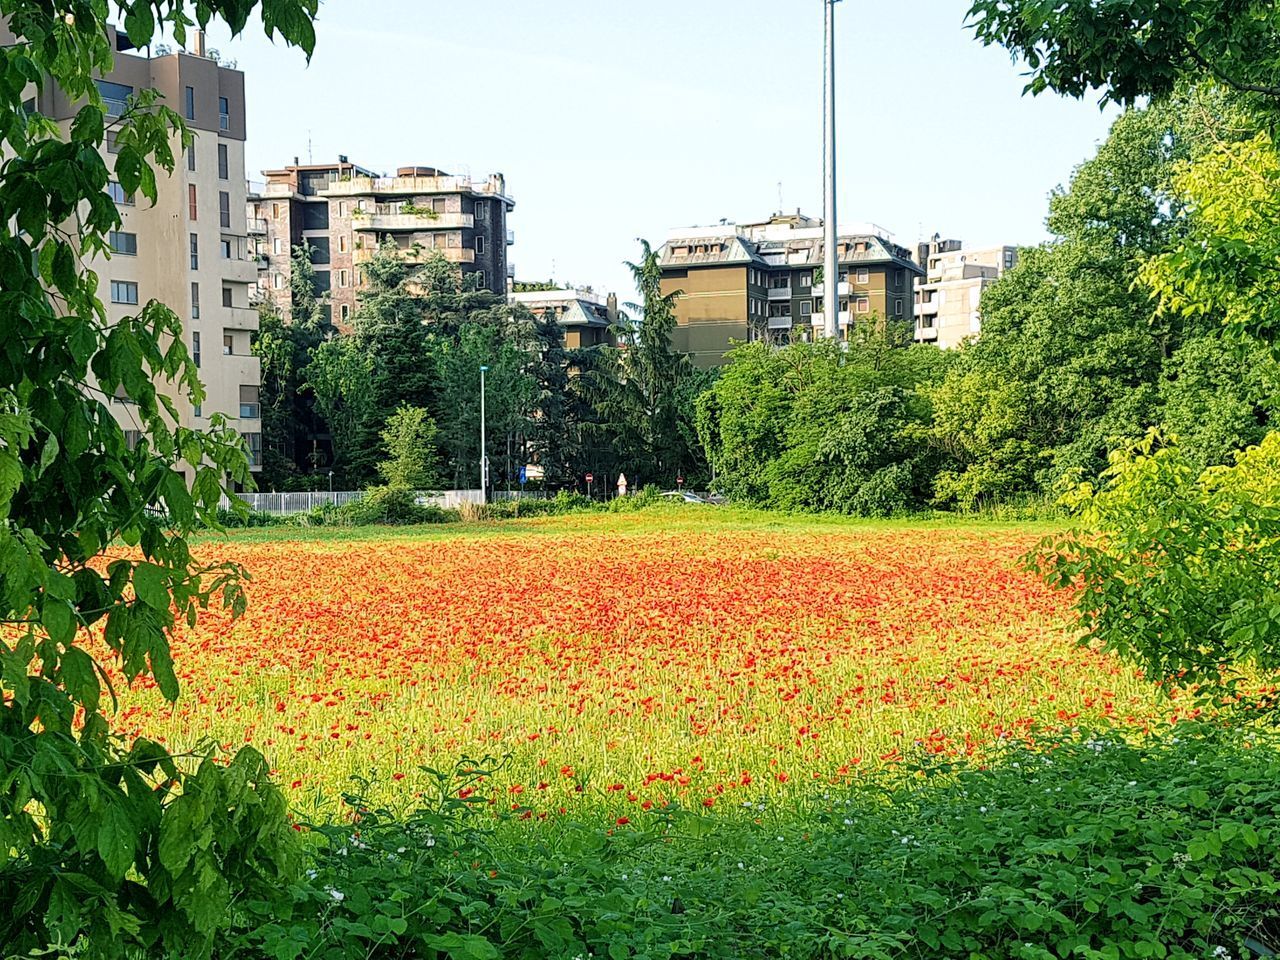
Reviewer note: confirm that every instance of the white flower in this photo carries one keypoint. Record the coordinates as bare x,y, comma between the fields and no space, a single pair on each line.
624,876
666,879
848,822
336,894
741,865
311,874
1133,783
982,809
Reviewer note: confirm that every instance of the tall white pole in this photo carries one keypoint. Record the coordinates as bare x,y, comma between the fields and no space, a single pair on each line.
831,264
484,453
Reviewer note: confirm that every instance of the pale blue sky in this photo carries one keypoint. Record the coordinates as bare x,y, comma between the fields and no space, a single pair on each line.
615,121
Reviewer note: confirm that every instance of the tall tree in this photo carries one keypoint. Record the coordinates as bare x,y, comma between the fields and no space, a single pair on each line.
107,850
295,439
638,385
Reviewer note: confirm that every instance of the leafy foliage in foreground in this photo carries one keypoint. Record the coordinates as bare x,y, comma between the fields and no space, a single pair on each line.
1088,849
106,848
1181,569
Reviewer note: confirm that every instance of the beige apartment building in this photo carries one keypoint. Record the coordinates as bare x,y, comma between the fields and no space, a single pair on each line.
344,213
948,300
763,281
190,250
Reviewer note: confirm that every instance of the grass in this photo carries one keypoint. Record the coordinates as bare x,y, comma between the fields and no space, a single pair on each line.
714,657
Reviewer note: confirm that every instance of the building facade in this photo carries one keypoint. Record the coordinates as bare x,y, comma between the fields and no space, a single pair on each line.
344,213
948,299
763,281
190,250
587,317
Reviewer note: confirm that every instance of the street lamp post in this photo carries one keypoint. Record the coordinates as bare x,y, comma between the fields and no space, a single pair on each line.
831,264
484,456
331,486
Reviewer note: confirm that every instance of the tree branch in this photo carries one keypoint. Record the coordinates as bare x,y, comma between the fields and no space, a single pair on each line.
1200,59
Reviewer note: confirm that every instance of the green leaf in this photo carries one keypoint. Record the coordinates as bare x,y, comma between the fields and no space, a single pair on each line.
151,584
58,620
117,838
177,840
461,946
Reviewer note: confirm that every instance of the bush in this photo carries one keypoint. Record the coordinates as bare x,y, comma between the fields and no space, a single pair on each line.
1089,848
232,518
647,496
390,505
1180,568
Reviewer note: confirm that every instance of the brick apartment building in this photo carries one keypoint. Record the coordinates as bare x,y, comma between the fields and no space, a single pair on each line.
344,213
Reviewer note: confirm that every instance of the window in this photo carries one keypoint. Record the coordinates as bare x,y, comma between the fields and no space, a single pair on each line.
897,307
275,211
342,208
780,281
224,248
191,103
1008,259
484,281
228,345
115,96
342,278
806,280
253,442
806,308
864,305
112,145
124,291
342,243
898,277
440,205
345,311
116,193
249,409
455,240
132,438
224,209
863,276
277,245
197,411
482,210
224,114
277,281
191,202
125,243
479,246
195,252
226,296
191,158
195,337
195,309
224,163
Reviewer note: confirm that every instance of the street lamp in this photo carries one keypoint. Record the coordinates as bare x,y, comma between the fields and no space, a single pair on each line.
484,456
831,264
331,486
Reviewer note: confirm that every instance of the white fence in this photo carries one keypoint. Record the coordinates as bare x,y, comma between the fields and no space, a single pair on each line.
287,504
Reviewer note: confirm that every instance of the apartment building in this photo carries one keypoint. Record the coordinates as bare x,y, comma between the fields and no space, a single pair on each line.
587,317
190,250
344,213
948,299
763,281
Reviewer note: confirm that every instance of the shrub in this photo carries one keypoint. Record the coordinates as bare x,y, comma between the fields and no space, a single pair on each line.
389,505
1180,569
1090,848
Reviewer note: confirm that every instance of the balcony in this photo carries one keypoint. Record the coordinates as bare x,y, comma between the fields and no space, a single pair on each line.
511,271
410,186
780,323
927,308
419,254
240,318
361,220
257,228
926,334
820,289
511,238
779,293
820,319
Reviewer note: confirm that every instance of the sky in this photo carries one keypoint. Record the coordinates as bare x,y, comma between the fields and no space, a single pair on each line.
616,121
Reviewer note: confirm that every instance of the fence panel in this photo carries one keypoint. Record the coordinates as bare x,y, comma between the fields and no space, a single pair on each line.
303,501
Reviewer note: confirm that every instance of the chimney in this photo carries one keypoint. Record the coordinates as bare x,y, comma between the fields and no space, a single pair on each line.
197,42
342,158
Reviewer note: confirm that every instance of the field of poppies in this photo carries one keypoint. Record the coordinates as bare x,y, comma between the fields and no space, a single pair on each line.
613,663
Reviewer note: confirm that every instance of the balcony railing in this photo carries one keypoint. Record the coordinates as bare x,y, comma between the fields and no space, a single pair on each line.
926,333
361,220
820,319
511,237
419,254
779,293
410,186
820,289
780,323
257,227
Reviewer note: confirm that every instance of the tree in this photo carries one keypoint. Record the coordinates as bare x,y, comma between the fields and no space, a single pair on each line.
106,849
818,426
292,428
637,386
1132,49
410,441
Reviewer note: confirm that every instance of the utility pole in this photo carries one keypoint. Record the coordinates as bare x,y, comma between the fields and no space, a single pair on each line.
484,453
831,264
